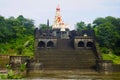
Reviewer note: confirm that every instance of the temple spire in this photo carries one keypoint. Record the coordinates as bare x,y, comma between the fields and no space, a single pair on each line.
58,22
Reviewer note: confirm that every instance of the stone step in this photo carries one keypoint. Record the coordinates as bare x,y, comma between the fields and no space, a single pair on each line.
68,67
58,62
68,56
68,63
66,59
58,58
66,50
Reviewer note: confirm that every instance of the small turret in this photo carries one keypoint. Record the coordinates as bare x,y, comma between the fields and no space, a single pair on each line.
47,22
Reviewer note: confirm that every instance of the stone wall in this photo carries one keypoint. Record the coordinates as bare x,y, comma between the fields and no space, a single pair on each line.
116,68
83,41
45,43
4,60
105,66
16,61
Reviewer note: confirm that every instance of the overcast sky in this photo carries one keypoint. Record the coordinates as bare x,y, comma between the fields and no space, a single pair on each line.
72,11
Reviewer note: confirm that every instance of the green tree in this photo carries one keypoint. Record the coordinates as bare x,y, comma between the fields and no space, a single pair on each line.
15,32
80,26
44,27
107,33
89,27
99,21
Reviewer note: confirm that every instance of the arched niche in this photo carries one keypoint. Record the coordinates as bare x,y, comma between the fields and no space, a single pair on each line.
50,44
81,44
89,44
41,44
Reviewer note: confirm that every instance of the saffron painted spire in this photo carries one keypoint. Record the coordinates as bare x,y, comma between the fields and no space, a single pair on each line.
58,22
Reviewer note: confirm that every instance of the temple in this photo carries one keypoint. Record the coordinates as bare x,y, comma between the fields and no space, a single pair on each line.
59,48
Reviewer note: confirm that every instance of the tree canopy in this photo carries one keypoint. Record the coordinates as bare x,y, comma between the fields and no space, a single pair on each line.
14,33
82,26
44,27
108,33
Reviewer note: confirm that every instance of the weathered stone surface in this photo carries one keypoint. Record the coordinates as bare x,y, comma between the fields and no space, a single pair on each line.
64,53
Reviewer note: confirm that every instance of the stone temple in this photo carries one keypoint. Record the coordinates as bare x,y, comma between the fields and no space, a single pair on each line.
61,49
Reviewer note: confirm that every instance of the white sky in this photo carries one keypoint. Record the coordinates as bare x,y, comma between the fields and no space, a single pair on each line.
72,11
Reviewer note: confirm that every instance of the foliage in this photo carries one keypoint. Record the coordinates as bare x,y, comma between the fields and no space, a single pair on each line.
8,66
108,33
2,76
14,33
82,26
11,74
16,38
23,67
44,27
113,57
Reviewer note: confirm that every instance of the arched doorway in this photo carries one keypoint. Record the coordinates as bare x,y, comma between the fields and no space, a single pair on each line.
89,44
41,44
81,44
50,44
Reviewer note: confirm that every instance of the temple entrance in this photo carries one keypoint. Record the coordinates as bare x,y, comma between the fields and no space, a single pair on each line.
81,44
41,44
50,44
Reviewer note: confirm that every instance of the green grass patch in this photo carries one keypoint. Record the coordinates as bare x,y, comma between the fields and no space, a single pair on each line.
113,57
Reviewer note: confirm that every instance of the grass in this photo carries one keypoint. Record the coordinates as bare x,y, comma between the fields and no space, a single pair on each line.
113,57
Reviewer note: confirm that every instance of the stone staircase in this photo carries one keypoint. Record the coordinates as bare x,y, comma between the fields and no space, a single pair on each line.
66,59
